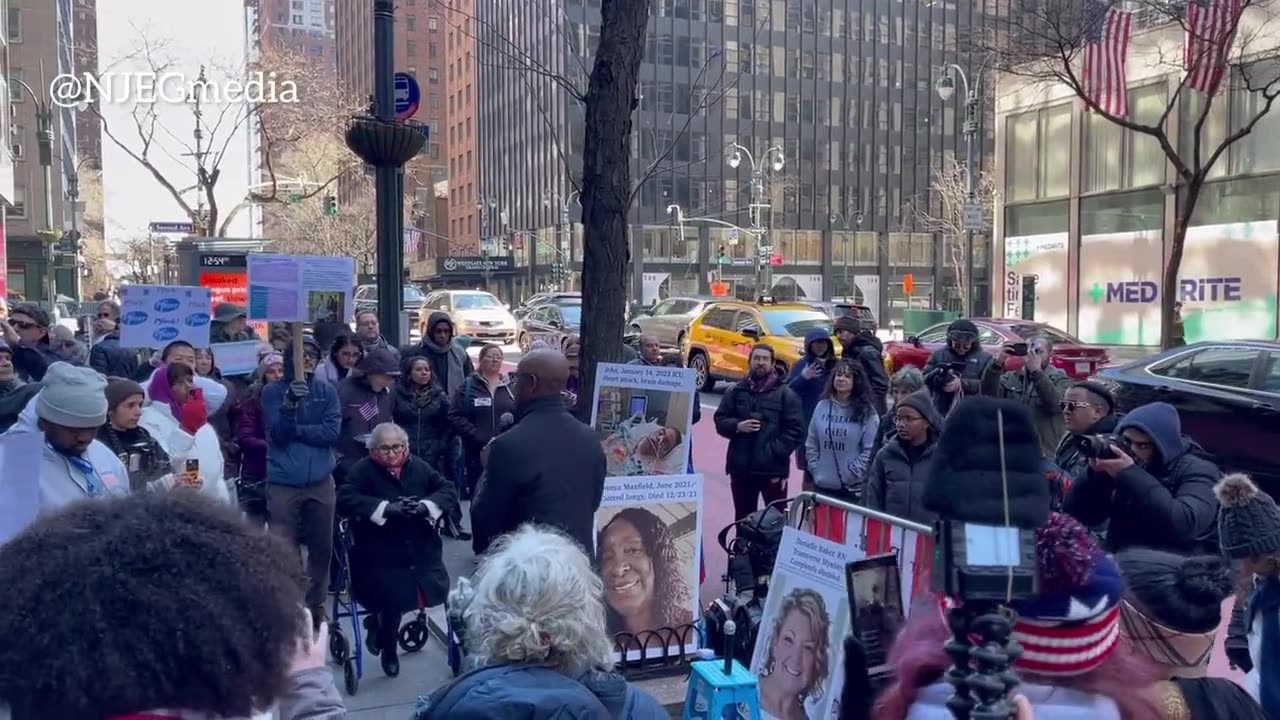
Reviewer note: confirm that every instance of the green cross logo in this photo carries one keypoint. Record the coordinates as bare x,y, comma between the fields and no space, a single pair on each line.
1096,293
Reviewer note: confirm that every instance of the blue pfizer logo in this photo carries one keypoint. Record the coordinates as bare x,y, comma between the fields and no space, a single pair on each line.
166,333
197,320
166,305
134,317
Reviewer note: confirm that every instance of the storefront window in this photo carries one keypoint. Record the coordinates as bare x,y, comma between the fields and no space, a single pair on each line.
1121,265
866,248
1038,153
899,249
798,247
1035,246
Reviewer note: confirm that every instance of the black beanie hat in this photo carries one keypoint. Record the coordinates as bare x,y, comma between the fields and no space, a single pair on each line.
965,480
1181,593
1248,521
963,325
1100,390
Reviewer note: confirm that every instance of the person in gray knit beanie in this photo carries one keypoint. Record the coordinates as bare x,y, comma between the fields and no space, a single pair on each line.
1248,521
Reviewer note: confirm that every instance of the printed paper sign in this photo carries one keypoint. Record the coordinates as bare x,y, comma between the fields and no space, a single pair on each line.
643,415
648,542
300,288
799,653
236,358
152,316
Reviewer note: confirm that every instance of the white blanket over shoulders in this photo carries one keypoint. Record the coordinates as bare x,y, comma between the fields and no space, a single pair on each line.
181,446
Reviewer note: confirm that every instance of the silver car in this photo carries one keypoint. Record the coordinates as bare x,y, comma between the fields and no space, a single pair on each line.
669,319
477,314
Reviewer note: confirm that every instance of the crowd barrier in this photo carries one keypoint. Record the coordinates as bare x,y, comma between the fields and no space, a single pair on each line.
871,531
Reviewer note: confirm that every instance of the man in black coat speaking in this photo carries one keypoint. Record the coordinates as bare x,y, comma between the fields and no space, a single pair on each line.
548,469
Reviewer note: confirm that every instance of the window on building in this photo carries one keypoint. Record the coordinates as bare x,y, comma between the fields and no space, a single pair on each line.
19,207
411,48
433,75
410,23
13,30
1038,153
297,19
16,93
1258,151
1116,158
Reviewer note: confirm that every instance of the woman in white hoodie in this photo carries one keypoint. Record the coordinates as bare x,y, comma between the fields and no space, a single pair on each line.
841,433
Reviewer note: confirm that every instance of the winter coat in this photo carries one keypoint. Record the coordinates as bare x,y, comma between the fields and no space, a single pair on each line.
1047,702
1169,505
1262,680
328,371
887,429
476,415
838,447
394,559
110,359
868,351
426,420
31,361
362,411
975,364
13,402
548,469
1040,392
764,453
450,365
153,463
1067,455
300,439
895,483
530,692
215,393
810,391
251,437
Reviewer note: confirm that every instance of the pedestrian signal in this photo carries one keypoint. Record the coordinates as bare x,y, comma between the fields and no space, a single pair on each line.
908,283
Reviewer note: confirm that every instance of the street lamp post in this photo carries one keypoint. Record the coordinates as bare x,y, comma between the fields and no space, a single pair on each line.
44,143
73,195
564,237
857,217
946,87
764,281
486,206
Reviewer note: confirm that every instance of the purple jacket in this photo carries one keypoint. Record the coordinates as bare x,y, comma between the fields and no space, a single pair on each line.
251,436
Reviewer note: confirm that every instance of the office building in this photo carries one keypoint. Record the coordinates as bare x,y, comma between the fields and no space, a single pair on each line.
1086,219
844,91
6,148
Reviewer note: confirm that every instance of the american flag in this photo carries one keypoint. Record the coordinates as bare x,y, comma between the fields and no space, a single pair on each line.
1106,47
369,410
412,239
1211,29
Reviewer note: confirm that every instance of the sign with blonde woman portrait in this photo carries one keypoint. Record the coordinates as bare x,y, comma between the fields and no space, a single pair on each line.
648,535
799,654
643,414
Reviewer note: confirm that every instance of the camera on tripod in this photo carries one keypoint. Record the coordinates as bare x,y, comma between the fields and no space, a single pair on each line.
1099,446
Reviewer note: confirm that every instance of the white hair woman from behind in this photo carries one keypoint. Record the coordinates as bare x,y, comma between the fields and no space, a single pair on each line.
535,599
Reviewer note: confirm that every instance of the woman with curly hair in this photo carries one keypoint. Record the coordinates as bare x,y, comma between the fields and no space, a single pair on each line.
795,664
645,587
841,433
158,605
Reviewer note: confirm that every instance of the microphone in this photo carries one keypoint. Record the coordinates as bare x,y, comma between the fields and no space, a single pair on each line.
505,421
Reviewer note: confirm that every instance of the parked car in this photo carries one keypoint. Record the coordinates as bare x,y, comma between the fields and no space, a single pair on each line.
669,319
718,343
837,310
366,298
540,298
1070,355
1227,394
475,313
551,322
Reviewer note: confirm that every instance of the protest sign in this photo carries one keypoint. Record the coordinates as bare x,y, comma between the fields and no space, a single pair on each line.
236,358
152,316
648,542
799,652
300,288
643,415
19,487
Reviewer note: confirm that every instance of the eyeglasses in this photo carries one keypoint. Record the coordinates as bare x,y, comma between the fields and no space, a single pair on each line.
388,449
311,355
960,336
1073,405
104,316
903,418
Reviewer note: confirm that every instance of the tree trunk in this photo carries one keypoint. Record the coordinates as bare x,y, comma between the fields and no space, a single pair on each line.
606,185
1169,284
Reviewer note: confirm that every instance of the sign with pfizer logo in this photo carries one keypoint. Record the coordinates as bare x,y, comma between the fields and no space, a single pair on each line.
153,316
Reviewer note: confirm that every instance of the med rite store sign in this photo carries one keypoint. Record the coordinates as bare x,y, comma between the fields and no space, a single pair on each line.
471,264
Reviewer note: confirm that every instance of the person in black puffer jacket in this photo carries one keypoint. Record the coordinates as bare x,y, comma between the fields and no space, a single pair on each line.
764,422
108,357
962,349
865,348
422,409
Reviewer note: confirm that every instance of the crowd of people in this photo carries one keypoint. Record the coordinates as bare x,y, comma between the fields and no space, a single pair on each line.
1145,542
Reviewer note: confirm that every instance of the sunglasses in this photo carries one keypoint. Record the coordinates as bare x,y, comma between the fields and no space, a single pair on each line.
104,316
960,336
1073,405
23,325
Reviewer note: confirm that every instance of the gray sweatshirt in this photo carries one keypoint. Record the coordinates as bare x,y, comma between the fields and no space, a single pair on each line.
838,448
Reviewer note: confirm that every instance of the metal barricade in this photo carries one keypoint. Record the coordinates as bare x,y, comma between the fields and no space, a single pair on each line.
871,531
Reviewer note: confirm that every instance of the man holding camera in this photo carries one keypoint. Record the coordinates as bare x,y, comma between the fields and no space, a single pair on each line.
1037,385
1088,408
956,370
1150,484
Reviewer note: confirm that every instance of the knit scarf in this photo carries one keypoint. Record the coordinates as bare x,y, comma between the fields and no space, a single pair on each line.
393,463
1266,600
454,355
764,385
423,397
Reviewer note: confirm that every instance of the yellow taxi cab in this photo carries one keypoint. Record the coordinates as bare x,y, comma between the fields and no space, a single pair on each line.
718,342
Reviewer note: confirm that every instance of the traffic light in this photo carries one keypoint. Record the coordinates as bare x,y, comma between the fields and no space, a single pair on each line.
720,258
331,205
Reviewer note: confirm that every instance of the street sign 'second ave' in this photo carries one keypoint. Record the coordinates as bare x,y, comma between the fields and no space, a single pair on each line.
408,96
180,227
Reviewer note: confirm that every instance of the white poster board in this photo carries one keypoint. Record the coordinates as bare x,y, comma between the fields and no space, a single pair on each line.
1012,295
807,607
300,288
643,415
648,546
152,316
19,487
236,358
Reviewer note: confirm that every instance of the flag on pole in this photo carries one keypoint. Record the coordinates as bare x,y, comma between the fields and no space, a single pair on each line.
1106,48
1211,30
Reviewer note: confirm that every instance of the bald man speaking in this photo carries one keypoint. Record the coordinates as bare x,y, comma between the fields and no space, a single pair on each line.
548,469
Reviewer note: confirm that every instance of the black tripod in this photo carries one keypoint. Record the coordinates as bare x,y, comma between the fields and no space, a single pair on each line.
981,672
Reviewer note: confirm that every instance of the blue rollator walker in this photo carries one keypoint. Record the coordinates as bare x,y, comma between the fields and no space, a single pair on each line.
345,606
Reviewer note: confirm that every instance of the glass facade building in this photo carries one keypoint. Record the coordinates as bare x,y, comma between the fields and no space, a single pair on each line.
844,90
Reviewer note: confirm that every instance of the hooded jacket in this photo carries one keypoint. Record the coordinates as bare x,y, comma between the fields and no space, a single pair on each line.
810,391
300,439
896,481
838,447
1167,505
362,411
110,359
450,365
528,692
867,349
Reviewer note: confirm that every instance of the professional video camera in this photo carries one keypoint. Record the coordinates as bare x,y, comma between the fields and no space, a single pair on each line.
752,555
1099,446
